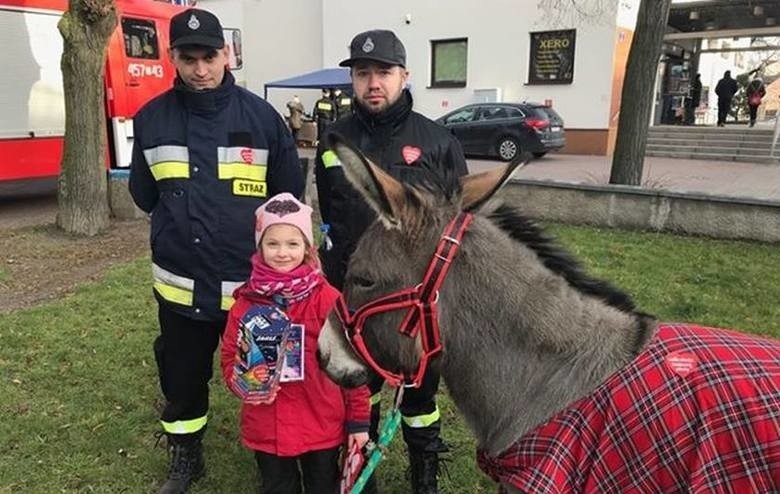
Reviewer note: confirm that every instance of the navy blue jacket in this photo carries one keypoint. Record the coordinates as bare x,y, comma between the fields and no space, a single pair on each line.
202,163
407,145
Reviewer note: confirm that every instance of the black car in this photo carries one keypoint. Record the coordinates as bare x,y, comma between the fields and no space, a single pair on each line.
506,129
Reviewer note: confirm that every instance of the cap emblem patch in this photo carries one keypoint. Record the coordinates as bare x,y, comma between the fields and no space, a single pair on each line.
368,46
193,23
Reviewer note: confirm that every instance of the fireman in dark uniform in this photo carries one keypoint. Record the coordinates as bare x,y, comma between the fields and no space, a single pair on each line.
412,148
206,154
324,112
343,104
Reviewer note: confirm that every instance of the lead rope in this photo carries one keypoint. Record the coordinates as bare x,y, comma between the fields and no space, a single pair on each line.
377,452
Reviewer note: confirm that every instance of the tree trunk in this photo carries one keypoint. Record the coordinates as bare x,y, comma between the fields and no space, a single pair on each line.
637,96
82,188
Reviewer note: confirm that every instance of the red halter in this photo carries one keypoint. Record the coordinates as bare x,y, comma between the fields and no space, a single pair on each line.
421,301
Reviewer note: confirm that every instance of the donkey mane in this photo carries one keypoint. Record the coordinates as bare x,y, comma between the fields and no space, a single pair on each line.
527,231
557,259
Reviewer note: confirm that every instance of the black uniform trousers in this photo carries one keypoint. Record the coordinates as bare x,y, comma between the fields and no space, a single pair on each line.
282,475
420,421
184,352
724,106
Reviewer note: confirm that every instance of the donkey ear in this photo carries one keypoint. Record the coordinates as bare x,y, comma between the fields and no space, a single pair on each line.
384,193
478,188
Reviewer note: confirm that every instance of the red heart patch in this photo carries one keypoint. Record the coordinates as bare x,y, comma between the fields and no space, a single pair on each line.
247,155
411,154
681,363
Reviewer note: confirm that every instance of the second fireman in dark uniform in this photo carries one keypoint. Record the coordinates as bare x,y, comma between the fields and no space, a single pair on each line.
413,149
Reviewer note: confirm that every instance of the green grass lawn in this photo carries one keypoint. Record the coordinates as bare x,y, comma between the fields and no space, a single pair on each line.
78,381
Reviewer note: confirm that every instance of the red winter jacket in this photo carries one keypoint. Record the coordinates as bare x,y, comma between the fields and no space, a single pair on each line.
308,415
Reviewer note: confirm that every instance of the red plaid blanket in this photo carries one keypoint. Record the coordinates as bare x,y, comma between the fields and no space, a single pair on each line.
697,411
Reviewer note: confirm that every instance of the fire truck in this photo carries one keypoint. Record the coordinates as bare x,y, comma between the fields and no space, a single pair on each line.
32,109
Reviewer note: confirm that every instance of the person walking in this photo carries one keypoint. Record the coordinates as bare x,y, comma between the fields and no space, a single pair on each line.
755,92
412,149
206,154
296,116
324,112
725,89
297,427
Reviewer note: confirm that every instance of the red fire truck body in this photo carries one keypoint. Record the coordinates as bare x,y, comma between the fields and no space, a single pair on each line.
32,110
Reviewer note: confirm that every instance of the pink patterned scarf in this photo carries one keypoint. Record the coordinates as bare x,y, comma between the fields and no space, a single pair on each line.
292,286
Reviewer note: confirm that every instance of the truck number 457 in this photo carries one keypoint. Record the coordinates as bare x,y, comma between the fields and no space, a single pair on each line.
141,70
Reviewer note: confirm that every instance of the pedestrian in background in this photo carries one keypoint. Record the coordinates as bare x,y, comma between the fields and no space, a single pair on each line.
755,93
725,89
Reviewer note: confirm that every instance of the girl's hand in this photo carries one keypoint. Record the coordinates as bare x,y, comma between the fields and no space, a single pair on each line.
255,400
359,438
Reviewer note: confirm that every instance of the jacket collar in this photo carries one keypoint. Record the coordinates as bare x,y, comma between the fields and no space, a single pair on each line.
393,116
208,101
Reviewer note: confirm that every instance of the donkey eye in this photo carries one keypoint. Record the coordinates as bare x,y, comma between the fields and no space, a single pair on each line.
362,282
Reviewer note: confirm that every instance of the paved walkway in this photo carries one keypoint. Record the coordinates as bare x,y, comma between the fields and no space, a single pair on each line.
725,178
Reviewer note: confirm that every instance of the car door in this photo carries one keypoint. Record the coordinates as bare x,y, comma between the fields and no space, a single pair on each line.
461,123
492,123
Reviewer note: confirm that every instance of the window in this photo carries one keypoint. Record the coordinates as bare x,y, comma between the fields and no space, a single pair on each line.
233,39
464,115
140,38
494,113
448,62
514,113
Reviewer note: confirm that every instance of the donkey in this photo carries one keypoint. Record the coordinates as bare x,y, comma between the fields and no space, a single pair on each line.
567,387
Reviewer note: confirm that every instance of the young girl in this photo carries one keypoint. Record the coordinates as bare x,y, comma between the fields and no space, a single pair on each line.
308,419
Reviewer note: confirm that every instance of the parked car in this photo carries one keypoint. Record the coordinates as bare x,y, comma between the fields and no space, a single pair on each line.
506,129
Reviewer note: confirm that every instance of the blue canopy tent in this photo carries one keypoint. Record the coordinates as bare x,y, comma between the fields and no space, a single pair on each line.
337,78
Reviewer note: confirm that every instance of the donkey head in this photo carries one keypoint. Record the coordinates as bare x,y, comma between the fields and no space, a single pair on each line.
393,255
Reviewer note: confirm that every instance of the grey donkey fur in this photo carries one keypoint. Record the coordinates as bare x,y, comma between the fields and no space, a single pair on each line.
519,341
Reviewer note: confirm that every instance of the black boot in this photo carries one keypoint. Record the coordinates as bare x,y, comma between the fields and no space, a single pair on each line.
187,464
424,467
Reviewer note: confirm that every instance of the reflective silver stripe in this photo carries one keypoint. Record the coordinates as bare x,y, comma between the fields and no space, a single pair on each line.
169,278
228,287
161,154
249,156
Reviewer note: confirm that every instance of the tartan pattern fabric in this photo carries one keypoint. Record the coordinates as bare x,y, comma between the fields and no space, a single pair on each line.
697,411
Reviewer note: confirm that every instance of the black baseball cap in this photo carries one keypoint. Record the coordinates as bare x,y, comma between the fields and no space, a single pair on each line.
196,27
378,45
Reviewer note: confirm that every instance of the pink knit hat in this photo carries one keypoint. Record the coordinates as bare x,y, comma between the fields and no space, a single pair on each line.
283,208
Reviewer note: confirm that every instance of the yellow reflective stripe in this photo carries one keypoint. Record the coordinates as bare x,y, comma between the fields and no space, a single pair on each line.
375,398
418,421
173,293
226,302
170,169
329,159
324,106
227,171
185,426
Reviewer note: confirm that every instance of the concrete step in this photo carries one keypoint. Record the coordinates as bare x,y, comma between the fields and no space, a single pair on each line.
683,141
715,146
713,156
684,129
732,136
